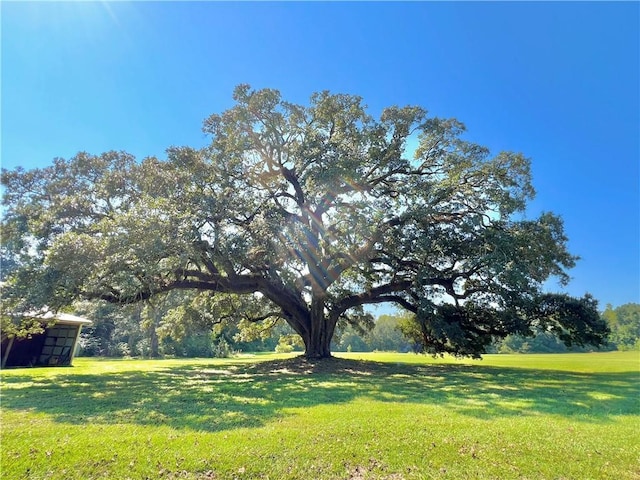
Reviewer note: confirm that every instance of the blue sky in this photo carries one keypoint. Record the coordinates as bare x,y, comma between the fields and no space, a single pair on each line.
557,81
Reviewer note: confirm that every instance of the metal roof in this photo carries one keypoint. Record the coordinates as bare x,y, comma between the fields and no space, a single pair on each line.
62,318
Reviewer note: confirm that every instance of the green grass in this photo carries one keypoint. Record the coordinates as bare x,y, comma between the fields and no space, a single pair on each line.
362,416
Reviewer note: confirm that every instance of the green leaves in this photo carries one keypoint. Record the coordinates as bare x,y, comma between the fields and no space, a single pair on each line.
467,330
309,212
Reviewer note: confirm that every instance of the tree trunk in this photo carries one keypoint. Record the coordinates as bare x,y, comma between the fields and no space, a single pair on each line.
317,342
154,344
152,335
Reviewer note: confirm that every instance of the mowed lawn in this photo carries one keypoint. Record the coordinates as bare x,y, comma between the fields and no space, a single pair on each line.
360,416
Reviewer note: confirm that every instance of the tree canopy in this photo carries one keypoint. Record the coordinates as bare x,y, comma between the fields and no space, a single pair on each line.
307,214
624,322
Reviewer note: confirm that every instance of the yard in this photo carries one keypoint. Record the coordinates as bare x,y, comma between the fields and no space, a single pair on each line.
360,416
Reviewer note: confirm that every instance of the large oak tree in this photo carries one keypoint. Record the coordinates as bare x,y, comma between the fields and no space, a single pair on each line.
304,213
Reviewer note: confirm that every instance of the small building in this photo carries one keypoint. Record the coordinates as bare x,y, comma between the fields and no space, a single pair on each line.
55,347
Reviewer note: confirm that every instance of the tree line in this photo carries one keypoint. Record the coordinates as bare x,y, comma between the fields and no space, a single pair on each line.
159,331
623,321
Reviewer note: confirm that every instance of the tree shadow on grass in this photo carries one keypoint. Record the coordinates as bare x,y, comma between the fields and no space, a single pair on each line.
218,397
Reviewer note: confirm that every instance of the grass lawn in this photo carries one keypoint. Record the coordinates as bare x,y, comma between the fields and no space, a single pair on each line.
360,416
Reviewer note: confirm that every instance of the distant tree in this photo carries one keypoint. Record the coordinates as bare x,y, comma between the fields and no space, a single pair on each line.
624,322
539,342
179,324
98,339
308,214
116,330
387,336
351,338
